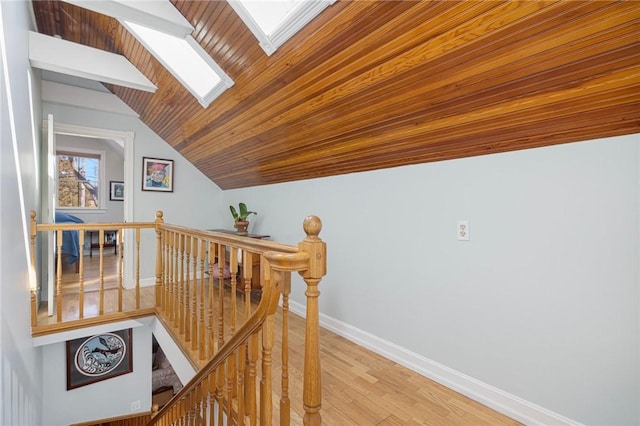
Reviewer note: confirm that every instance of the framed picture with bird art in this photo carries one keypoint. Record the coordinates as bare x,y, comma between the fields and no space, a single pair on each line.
99,357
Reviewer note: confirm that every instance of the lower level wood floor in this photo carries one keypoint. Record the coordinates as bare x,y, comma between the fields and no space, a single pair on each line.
360,387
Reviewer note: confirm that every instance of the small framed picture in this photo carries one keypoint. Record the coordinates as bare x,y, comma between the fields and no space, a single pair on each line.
116,192
100,357
157,174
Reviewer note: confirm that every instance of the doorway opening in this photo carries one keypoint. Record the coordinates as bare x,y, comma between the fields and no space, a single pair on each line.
125,141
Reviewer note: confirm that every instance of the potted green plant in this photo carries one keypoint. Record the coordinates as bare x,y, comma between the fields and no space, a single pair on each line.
240,218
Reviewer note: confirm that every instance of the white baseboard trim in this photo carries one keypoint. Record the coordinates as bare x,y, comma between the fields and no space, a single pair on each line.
148,282
144,282
497,399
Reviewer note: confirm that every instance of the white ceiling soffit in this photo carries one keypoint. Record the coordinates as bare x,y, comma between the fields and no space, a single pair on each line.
58,93
54,54
160,15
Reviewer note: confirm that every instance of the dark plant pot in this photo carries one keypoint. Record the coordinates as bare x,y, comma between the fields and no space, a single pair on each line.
241,227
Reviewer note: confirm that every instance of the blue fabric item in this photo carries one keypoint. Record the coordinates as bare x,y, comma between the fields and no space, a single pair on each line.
70,245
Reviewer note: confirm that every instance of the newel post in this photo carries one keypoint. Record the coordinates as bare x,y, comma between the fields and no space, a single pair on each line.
317,250
159,266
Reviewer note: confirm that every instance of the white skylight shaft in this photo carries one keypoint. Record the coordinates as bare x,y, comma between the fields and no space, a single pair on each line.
270,14
186,60
273,22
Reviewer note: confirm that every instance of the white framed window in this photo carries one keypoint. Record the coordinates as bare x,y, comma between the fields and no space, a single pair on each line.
273,22
80,179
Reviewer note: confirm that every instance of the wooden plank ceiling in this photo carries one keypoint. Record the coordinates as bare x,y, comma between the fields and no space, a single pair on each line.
377,84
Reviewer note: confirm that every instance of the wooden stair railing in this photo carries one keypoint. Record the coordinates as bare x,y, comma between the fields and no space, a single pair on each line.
116,309
225,389
198,277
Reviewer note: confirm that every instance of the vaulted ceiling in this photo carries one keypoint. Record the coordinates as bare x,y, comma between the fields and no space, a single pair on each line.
376,84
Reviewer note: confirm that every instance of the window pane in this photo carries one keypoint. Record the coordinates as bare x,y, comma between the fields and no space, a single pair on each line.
78,181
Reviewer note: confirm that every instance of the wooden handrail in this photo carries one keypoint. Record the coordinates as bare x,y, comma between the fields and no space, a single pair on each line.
43,330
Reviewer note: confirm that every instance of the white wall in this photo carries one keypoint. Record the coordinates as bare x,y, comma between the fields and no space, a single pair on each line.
104,399
542,302
195,200
20,362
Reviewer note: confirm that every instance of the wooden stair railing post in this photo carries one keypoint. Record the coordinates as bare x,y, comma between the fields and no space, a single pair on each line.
278,268
285,403
119,266
317,250
210,303
101,270
175,305
181,309
272,277
32,273
59,276
194,296
81,278
159,265
187,289
138,268
201,326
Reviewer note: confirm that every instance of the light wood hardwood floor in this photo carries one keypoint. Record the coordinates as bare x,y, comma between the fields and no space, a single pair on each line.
360,387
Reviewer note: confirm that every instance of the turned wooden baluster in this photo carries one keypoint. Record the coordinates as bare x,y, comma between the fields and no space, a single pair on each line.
233,270
32,273
250,386
159,262
201,328
81,276
194,295
229,372
198,405
137,283
317,250
285,403
164,300
231,366
187,289
220,392
266,397
249,381
221,370
221,264
212,396
176,291
59,276
120,269
210,303
242,357
181,286
189,400
168,275
273,278
101,270
247,275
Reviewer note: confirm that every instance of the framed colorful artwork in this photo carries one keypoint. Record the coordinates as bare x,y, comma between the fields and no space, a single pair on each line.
157,174
100,357
116,191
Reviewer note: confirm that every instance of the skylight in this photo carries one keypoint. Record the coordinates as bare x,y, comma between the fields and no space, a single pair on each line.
186,60
275,21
